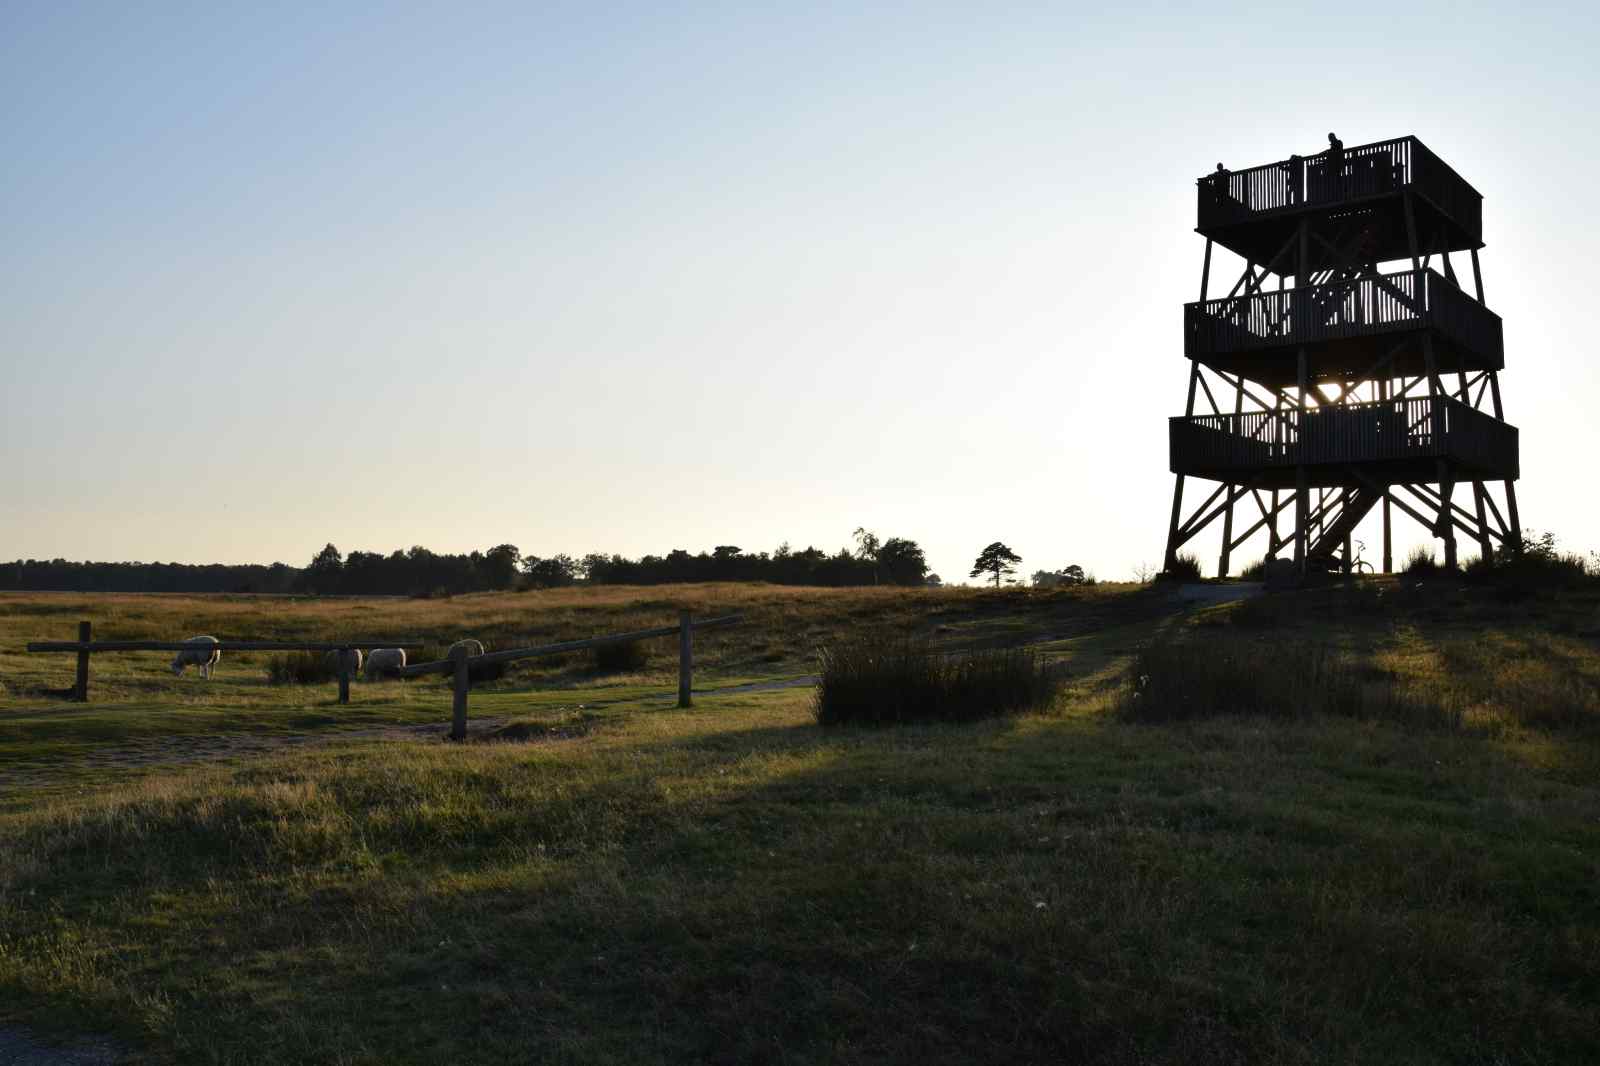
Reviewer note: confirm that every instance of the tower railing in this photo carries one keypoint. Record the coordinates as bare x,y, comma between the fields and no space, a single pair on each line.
1367,170
1375,304
1413,428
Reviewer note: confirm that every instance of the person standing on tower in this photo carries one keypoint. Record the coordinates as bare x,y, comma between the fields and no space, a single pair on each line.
1336,164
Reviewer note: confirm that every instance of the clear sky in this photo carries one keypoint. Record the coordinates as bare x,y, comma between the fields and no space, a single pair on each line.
639,277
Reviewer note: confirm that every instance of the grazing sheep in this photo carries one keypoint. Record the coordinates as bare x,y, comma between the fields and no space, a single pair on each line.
351,659
474,647
203,657
381,662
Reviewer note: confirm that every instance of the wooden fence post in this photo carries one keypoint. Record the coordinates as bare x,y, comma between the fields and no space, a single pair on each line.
345,656
458,724
80,691
685,658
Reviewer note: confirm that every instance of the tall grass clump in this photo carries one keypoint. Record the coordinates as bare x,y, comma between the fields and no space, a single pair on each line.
1185,568
302,668
1533,562
1421,563
1175,679
888,681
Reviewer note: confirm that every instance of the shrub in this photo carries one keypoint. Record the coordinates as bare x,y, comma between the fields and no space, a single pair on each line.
1532,562
1173,680
620,658
889,681
1187,568
302,668
1420,563
1256,571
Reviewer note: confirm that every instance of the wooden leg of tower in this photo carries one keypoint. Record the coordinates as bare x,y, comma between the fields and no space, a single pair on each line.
1342,507
1302,508
1484,546
1388,542
1302,502
1447,525
1500,413
1227,536
1227,518
1170,560
1274,542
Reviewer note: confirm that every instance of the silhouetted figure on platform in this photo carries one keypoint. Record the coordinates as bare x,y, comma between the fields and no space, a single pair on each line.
1219,185
1295,166
1336,163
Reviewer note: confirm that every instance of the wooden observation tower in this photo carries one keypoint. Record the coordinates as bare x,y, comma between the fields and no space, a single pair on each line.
1346,368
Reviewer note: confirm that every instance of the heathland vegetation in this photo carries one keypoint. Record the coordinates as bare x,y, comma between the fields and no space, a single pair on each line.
1355,824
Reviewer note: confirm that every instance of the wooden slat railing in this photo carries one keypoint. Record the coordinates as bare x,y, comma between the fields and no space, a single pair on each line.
1438,181
1420,427
1368,170
1376,304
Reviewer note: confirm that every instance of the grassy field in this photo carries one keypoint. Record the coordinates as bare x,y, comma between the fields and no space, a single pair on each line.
241,872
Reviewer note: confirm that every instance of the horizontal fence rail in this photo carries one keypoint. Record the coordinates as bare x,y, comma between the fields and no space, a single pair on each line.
440,666
1367,170
1420,427
461,663
85,646
1366,306
221,645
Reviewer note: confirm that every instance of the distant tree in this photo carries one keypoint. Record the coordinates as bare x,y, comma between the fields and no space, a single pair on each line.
996,560
558,571
326,572
1067,575
500,566
867,548
901,561
934,581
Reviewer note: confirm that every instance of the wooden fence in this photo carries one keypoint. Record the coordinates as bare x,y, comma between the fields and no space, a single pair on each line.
460,664
86,645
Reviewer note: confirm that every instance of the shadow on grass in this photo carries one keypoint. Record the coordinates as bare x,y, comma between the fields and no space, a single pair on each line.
1026,890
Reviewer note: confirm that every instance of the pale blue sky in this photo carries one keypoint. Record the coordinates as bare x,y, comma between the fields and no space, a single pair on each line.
630,278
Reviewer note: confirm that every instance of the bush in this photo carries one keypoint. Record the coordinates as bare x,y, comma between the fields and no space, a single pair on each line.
887,681
1187,568
1421,563
620,658
302,668
1532,562
1256,571
1174,680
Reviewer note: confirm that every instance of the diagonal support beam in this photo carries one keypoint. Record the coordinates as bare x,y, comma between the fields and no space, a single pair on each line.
1184,536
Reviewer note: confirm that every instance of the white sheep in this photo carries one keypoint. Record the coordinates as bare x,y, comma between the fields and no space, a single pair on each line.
381,661
203,657
351,658
474,647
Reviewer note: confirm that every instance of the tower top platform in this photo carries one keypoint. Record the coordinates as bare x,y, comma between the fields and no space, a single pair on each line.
1256,213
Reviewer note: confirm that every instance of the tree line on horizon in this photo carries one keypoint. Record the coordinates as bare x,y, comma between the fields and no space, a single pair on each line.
421,572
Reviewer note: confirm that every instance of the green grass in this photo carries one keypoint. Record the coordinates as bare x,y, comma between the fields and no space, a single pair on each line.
617,880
